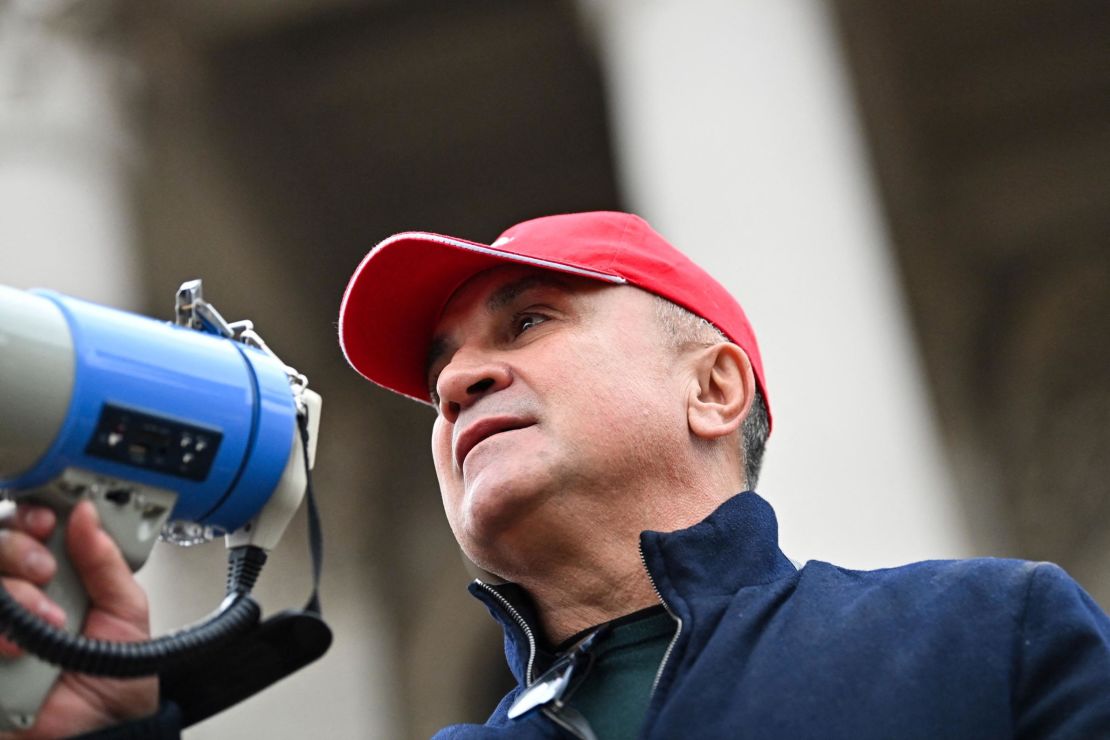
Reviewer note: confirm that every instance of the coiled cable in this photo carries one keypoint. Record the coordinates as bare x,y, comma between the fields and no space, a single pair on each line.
238,614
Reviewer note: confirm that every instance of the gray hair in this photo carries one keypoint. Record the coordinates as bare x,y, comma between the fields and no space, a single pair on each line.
684,328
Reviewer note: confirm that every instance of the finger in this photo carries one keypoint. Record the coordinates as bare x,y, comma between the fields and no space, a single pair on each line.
98,561
9,649
34,601
25,557
37,521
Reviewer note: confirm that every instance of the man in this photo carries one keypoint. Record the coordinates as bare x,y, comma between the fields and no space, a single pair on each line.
600,401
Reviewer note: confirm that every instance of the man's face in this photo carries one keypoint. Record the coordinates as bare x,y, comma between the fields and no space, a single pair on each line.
556,398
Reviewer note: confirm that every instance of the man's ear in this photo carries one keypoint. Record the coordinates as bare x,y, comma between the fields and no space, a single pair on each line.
722,391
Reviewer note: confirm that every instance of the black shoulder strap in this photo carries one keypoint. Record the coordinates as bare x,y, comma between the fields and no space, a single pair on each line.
278,647
281,645
315,531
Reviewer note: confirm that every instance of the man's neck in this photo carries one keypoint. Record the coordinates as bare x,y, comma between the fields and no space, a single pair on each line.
583,567
575,601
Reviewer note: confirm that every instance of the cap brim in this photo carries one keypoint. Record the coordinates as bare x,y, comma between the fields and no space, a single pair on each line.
397,294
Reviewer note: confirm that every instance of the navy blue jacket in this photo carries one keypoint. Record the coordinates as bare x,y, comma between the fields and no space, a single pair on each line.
982,648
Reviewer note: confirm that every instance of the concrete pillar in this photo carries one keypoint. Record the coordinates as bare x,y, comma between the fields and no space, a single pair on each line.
737,138
67,222
65,152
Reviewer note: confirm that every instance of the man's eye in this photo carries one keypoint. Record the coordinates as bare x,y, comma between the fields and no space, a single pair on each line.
525,321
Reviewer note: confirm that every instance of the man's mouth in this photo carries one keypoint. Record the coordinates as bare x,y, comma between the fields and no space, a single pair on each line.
483,429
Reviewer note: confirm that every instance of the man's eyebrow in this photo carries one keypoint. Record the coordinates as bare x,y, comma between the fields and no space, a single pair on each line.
507,293
496,301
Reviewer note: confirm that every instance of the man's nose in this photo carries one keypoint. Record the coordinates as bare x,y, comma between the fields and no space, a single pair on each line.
467,379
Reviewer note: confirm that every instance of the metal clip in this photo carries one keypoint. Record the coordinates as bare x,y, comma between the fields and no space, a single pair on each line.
188,294
558,682
192,311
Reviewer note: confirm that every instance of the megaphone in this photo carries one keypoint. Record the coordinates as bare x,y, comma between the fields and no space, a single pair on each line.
180,431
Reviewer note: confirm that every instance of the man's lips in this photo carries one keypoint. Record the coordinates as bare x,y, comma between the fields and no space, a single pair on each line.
482,429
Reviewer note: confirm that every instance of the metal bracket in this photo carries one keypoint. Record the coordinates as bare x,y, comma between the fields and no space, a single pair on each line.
192,311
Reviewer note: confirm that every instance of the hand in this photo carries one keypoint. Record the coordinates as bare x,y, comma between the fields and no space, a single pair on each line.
117,611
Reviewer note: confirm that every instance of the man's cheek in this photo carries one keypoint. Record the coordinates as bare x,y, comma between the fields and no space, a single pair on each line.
441,446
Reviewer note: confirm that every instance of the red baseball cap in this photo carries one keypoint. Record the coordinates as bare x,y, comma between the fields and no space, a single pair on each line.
398,292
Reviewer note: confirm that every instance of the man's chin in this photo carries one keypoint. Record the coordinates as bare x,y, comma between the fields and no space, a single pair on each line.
496,518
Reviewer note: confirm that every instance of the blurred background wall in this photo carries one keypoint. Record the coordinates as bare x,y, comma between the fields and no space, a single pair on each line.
909,199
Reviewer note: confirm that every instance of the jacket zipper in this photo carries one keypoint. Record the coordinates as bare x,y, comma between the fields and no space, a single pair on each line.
675,617
555,714
523,626
532,638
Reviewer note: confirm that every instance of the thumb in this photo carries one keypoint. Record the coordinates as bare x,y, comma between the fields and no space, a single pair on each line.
108,580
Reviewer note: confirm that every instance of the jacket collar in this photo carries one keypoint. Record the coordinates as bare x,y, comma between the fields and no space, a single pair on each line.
734,547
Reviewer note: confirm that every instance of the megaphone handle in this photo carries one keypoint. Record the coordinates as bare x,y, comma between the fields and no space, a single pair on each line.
25,681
